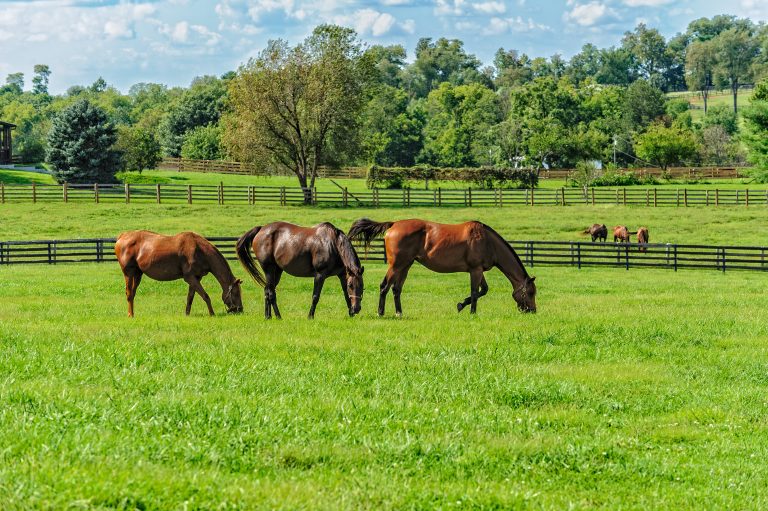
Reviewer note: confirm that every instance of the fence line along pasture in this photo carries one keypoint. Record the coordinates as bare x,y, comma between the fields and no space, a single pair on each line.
439,197
577,254
234,167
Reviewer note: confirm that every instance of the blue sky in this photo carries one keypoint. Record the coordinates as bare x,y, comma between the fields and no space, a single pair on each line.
172,41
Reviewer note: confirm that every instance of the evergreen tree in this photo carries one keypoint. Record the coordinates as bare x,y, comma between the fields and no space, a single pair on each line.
80,145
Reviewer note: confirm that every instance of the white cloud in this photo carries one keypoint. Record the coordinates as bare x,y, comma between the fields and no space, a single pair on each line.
754,9
118,29
449,7
586,14
368,21
395,2
646,3
408,26
498,25
490,7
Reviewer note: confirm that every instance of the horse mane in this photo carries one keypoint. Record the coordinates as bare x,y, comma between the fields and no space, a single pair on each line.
346,252
506,243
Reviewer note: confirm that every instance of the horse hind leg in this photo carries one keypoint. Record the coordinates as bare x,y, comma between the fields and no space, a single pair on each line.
190,297
273,279
132,281
384,288
481,292
397,289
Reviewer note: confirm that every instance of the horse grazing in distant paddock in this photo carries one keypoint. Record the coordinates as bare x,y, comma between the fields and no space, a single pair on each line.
642,238
620,233
186,256
322,251
598,231
471,247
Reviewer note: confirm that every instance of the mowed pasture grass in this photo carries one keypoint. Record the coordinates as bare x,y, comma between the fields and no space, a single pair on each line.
694,225
628,390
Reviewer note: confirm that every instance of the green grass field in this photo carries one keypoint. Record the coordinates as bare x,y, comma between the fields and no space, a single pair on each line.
628,390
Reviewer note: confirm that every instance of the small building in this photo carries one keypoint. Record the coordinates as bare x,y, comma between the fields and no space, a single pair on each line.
6,142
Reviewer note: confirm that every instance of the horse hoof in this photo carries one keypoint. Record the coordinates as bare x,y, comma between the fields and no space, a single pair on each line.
399,315
459,307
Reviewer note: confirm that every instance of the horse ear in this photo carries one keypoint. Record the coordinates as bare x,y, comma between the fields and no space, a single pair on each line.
238,281
533,279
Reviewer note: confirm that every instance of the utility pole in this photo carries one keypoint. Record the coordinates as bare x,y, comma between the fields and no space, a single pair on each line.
614,150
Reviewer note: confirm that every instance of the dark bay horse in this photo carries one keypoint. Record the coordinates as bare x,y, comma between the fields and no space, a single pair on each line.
471,247
321,251
598,231
642,238
186,256
620,233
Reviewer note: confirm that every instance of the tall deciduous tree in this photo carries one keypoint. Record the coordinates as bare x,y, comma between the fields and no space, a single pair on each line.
650,51
299,107
665,146
139,147
736,49
40,80
80,145
700,67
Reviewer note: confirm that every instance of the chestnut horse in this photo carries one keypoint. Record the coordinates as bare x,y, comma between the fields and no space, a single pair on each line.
322,251
642,238
620,233
471,247
598,231
186,256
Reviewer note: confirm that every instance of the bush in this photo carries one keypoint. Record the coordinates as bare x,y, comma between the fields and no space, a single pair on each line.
139,148
202,143
480,177
81,145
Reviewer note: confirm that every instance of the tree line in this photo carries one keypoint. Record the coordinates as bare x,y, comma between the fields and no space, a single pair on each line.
331,100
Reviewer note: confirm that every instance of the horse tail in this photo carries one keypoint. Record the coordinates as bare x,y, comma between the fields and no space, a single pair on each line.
243,248
366,230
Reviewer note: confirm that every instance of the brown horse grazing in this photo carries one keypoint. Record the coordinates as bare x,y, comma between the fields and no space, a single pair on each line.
598,231
620,233
186,256
321,251
471,247
642,238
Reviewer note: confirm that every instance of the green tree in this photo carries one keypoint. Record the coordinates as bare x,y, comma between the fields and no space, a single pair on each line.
300,107
444,60
139,148
391,131
81,145
700,62
736,50
722,116
30,133
40,79
649,48
15,83
665,146
203,143
755,135
200,105
643,103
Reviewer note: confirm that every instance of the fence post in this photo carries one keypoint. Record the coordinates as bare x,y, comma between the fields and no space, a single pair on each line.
221,192
624,193
617,196
655,197
626,255
64,191
157,193
707,197
404,191
529,252
501,197
747,197
578,255
737,197
50,252
532,199
440,196
562,194
2,193
647,197
127,193
721,253
593,195
376,197
189,194
313,195
717,197
34,192
96,192
470,196
685,196
344,198
675,257
526,196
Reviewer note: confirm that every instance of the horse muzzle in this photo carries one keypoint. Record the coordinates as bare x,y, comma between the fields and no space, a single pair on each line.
235,310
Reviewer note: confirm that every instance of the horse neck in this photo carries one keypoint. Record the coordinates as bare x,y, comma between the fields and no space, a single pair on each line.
220,269
508,262
347,255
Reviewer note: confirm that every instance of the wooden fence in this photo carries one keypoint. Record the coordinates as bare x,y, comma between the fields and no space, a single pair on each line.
233,167
533,253
439,197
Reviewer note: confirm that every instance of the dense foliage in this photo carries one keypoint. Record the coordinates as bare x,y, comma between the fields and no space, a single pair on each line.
80,145
330,101
481,177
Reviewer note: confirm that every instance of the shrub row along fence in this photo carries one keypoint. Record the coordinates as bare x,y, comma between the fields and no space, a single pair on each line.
234,167
439,197
533,253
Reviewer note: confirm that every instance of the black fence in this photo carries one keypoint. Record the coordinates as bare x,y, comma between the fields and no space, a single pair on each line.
439,197
533,253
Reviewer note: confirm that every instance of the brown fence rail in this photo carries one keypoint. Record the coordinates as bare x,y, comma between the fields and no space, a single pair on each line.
234,167
439,197
533,253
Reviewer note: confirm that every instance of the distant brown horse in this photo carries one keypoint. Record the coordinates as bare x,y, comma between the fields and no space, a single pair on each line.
598,231
642,238
471,247
321,251
620,233
186,256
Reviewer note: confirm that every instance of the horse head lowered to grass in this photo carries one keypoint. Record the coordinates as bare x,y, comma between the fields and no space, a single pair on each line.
470,247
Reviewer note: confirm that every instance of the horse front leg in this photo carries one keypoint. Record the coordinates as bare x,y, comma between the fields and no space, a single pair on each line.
343,280
190,297
476,279
482,292
195,284
319,281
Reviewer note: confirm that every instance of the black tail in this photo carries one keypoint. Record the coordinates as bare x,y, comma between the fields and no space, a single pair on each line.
246,259
366,230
